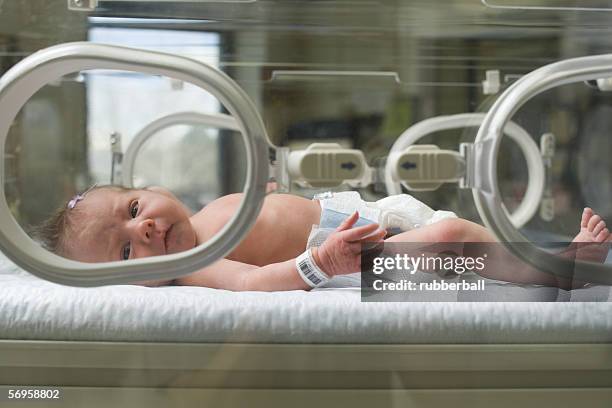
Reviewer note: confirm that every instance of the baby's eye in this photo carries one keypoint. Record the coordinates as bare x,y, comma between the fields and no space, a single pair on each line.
134,209
125,252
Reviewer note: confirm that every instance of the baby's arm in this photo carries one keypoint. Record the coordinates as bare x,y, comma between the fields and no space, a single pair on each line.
238,276
339,254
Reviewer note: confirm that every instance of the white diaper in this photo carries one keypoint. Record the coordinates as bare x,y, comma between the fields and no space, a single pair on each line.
343,204
405,212
399,212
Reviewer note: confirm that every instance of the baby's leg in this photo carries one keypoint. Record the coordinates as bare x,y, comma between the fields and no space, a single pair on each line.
500,264
449,230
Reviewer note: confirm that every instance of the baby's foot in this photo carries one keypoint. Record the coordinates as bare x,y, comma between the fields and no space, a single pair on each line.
592,242
592,228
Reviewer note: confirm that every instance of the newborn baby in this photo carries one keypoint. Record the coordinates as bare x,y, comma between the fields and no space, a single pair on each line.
112,223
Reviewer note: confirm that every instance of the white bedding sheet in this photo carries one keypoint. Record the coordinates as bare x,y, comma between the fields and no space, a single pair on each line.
31,308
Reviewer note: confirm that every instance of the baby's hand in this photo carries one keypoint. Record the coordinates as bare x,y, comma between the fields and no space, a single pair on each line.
341,252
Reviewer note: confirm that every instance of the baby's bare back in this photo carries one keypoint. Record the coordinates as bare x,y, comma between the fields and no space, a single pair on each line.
280,232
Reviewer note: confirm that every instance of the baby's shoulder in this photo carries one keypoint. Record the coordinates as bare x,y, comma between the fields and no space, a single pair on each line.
224,203
215,214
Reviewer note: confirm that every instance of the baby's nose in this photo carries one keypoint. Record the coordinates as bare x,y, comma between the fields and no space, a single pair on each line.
145,229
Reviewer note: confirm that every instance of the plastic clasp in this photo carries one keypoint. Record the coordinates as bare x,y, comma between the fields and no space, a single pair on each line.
474,156
427,167
328,165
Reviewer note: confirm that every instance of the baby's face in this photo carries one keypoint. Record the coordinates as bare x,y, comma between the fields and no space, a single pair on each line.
119,225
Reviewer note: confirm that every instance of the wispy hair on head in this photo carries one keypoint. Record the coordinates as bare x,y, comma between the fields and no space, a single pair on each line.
53,234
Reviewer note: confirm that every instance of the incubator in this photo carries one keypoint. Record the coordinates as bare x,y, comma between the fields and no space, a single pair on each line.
411,112
320,165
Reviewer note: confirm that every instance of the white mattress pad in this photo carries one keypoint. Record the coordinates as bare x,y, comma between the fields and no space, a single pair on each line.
34,309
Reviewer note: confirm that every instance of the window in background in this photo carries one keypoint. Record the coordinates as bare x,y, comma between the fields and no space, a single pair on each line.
183,158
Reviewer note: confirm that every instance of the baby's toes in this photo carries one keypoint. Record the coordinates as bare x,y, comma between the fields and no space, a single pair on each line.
587,213
599,227
593,222
603,235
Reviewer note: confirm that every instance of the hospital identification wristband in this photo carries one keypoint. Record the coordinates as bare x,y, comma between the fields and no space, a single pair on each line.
309,271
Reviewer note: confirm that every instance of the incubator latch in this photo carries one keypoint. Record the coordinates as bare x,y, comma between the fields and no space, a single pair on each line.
278,164
82,5
604,84
427,167
116,157
491,85
547,150
328,165
474,155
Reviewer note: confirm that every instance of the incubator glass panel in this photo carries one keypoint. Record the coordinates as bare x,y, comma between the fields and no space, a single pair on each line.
358,74
345,77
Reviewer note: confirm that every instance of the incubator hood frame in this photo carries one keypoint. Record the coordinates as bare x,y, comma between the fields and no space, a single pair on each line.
42,67
219,121
483,174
